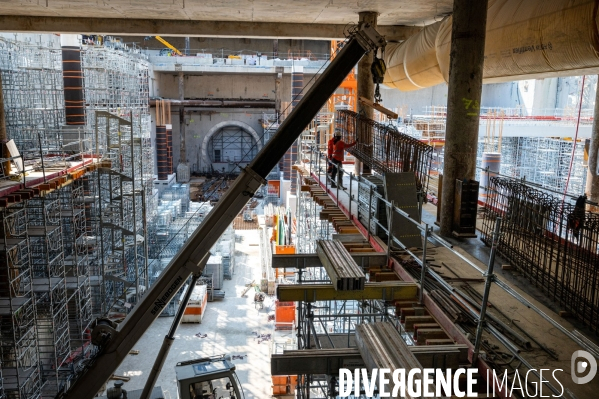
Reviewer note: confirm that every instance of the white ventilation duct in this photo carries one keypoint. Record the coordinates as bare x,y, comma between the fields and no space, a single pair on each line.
526,39
413,64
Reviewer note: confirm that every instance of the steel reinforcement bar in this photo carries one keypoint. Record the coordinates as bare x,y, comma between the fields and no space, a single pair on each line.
385,149
554,243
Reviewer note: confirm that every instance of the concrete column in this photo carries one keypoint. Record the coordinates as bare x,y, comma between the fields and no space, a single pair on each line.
183,172
592,187
297,85
278,95
463,100
365,85
73,80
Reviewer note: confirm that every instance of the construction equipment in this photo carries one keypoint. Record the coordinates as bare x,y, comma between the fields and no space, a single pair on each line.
209,377
167,44
115,341
212,377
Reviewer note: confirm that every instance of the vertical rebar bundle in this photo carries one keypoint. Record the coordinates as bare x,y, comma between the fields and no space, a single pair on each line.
555,244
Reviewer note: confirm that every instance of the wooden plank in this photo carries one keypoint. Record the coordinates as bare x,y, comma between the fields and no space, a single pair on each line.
388,276
430,333
403,312
439,341
411,320
418,326
390,114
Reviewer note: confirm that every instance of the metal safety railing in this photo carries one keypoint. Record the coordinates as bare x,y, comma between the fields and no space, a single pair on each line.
436,285
385,149
555,244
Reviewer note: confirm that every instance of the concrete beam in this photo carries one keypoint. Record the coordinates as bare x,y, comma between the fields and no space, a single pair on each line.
173,27
216,103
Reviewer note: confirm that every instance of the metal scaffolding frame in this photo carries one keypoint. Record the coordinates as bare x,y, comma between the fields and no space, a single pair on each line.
541,160
309,225
19,355
123,184
49,287
77,263
51,264
331,325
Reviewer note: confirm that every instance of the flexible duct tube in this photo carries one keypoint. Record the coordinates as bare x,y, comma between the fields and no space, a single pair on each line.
413,65
526,39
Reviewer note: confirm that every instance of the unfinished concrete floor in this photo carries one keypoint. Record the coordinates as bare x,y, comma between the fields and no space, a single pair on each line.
229,324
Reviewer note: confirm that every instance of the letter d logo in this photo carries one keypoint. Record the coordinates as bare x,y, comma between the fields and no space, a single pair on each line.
581,366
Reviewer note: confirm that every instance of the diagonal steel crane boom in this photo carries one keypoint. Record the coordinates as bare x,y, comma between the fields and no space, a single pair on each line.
115,341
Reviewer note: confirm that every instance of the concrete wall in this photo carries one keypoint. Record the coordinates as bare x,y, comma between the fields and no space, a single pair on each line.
501,95
532,94
225,86
198,123
414,102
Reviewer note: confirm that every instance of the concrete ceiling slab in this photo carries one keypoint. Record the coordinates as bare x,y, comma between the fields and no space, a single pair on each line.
172,27
395,12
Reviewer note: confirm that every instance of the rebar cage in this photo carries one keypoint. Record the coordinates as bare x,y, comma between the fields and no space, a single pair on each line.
385,149
555,244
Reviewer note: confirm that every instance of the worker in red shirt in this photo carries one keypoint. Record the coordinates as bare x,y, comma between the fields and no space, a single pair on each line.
336,154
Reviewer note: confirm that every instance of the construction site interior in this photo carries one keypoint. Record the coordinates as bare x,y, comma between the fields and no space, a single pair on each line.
119,146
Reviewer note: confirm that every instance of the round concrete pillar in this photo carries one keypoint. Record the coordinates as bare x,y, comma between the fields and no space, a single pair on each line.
365,84
463,100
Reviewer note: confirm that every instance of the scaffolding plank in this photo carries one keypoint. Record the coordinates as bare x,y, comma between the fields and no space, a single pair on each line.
388,291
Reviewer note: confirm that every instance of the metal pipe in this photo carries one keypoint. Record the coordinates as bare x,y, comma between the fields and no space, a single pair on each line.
169,338
423,275
369,212
390,232
5,167
489,279
350,183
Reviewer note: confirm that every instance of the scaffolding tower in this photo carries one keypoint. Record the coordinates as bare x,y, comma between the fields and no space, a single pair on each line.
19,355
53,202
541,160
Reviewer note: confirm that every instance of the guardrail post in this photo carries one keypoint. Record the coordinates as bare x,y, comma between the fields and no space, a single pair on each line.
390,230
489,279
369,211
349,194
423,275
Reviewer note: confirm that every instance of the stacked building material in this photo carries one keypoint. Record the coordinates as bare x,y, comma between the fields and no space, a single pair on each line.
343,271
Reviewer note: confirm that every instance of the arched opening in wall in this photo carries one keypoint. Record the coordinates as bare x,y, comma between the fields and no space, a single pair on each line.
232,144
228,144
